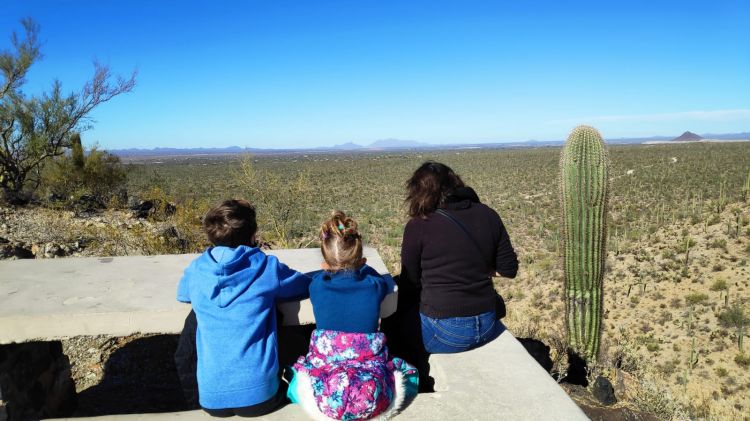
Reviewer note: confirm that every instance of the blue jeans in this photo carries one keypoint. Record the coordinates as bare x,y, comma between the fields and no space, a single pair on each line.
458,334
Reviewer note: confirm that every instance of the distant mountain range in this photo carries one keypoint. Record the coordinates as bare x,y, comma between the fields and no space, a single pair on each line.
399,144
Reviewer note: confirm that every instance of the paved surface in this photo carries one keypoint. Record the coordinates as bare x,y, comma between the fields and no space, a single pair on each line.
499,381
118,296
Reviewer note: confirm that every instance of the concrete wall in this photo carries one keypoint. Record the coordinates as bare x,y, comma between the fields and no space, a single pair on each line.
119,296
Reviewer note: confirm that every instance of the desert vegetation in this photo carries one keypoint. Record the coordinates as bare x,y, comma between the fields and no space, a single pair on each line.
676,285
676,277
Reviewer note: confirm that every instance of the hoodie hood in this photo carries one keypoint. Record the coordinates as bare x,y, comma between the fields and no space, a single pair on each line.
227,272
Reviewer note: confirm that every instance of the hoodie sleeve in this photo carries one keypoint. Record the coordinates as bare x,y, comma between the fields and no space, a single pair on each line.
384,283
183,290
386,286
292,284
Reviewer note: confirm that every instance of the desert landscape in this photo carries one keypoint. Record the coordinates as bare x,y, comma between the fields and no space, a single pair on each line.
676,281
612,138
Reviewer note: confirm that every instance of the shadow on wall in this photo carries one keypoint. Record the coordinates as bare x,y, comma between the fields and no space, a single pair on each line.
35,381
539,351
141,377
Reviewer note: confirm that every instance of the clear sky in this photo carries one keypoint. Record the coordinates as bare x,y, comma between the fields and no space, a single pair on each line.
313,73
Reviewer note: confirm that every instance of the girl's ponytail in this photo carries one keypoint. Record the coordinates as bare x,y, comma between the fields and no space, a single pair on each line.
340,242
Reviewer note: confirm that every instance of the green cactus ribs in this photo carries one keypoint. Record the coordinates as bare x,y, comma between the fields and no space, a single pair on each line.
584,175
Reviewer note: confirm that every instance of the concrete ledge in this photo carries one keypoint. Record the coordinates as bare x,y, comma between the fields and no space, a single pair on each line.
496,382
118,296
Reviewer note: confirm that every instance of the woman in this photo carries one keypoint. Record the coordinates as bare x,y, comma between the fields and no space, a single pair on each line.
452,246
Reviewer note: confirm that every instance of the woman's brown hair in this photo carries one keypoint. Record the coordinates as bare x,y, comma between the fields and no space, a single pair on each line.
231,223
340,242
428,187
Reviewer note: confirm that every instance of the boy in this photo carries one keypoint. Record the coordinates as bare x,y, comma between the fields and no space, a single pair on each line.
233,288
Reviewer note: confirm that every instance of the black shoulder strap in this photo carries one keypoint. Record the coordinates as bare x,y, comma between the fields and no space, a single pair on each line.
458,223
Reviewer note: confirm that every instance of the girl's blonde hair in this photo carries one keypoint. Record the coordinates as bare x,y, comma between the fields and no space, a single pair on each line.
340,242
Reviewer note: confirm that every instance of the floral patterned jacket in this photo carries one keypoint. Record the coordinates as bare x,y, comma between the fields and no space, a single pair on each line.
349,376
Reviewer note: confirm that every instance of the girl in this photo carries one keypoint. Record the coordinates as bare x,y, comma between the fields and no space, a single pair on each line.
347,373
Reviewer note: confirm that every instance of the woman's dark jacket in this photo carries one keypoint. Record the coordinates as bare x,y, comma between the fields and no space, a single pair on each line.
452,273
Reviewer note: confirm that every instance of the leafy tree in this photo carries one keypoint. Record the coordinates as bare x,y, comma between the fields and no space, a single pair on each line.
35,128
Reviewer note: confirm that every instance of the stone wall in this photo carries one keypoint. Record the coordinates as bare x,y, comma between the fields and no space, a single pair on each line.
35,381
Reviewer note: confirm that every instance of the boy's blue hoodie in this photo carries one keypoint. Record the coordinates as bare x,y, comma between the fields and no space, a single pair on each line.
233,292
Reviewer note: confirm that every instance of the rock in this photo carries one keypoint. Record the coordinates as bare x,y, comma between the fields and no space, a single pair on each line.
156,209
170,209
170,232
15,250
603,391
143,209
54,197
133,202
81,243
87,205
52,250
625,384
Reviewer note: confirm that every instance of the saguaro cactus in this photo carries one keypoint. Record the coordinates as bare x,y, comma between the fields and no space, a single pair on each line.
584,174
79,160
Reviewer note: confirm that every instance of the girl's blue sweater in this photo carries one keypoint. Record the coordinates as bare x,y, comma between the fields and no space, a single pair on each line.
234,292
349,301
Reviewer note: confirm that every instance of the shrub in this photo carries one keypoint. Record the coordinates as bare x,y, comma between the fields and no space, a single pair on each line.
718,244
98,177
695,298
719,285
282,204
742,360
735,317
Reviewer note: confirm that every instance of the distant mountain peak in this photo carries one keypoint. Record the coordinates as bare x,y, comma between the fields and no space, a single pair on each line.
688,136
348,145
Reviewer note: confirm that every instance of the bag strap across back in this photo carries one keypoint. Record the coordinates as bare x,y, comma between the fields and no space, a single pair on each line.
461,226
500,311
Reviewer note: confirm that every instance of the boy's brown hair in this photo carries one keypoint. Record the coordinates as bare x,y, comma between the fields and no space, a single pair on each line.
340,242
231,223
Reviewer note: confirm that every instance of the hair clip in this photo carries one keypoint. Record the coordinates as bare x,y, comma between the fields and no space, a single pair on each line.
341,227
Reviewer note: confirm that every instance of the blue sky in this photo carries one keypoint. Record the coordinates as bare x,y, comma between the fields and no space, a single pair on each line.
312,73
